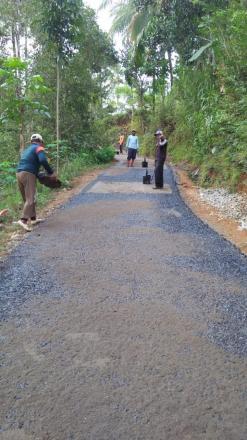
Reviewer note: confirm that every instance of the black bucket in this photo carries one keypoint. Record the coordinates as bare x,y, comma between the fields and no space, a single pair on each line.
144,163
146,179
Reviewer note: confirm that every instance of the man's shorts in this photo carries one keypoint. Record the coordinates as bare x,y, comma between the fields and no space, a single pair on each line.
131,154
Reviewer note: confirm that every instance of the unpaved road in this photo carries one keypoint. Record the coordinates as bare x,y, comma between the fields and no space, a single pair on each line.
124,318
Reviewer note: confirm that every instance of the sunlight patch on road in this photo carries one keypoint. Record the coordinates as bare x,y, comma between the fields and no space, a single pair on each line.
15,434
127,188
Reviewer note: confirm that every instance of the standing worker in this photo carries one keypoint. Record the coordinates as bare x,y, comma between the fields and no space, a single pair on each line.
31,159
132,145
121,143
160,157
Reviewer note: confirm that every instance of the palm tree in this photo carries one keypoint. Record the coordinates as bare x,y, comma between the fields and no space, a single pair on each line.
122,12
128,20
133,23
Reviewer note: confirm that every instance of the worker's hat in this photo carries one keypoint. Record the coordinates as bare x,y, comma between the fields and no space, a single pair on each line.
36,137
158,132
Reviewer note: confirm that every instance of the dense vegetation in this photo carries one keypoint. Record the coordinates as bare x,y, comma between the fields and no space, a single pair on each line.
183,69
185,63
55,69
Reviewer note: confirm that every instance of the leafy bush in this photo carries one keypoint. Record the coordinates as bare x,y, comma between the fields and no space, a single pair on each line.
7,173
147,145
63,150
104,155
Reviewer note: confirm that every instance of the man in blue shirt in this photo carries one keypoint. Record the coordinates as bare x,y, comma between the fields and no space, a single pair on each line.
132,144
27,171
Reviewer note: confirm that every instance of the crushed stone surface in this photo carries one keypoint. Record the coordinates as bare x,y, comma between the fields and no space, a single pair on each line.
123,317
231,205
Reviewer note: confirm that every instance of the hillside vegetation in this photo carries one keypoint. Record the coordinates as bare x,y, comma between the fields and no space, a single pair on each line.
185,62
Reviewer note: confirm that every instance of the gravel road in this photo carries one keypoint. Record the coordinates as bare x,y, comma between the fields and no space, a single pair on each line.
123,317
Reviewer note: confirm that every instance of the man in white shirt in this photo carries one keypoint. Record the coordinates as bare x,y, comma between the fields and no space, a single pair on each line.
132,144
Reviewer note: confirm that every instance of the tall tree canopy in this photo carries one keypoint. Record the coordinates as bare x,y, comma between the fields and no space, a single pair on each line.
62,45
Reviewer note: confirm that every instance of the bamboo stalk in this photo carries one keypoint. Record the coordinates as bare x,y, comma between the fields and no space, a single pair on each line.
57,112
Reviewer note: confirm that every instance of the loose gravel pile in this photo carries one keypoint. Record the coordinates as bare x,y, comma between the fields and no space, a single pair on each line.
230,205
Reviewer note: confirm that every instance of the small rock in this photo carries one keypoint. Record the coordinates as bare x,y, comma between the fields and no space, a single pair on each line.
243,225
15,236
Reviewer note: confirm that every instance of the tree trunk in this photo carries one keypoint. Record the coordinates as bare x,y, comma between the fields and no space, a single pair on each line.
18,28
26,44
13,41
18,41
21,138
142,111
169,52
26,53
154,88
132,107
21,129
57,110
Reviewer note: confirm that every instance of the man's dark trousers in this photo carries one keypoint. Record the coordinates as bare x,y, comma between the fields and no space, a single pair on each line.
158,173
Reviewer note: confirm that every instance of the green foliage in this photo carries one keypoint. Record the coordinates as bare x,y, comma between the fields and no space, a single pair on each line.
18,94
209,102
28,88
200,103
60,20
64,150
148,145
199,52
104,155
8,144
7,173
106,130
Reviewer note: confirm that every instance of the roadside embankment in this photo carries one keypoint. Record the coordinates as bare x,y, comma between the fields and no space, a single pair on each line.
223,211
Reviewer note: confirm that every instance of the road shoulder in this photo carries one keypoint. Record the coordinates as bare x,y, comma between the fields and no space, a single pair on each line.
225,226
